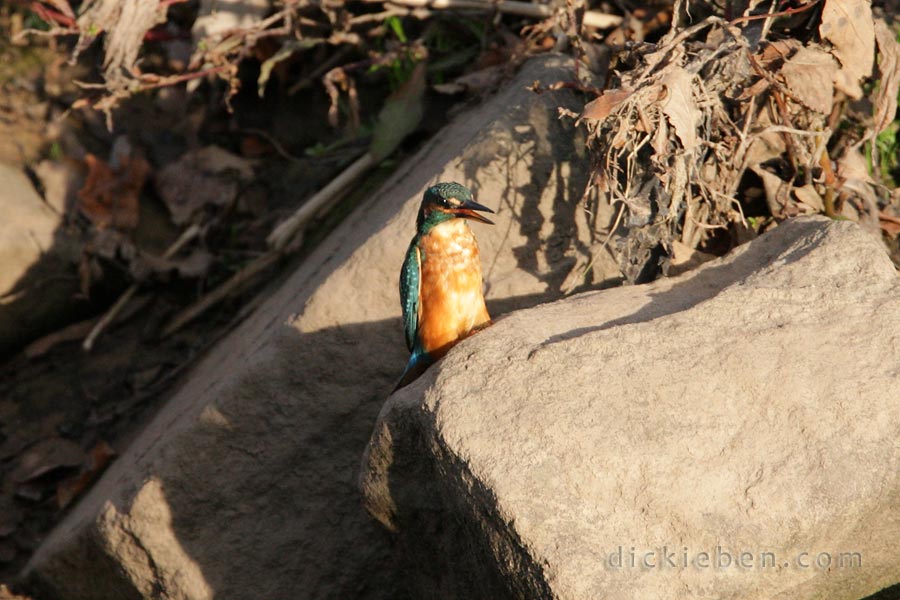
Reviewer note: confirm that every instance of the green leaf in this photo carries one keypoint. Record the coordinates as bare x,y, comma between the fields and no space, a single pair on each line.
286,50
397,27
400,115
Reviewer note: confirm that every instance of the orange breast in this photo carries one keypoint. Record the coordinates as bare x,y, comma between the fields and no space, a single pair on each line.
451,303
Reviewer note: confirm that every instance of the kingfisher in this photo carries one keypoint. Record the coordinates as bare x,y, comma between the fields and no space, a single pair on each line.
440,283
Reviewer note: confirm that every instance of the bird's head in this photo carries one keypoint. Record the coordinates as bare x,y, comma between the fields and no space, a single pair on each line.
445,201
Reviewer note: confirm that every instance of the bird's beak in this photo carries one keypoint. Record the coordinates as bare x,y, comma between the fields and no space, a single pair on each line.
467,210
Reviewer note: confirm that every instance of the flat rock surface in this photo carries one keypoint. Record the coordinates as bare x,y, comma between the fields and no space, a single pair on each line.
245,484
598,446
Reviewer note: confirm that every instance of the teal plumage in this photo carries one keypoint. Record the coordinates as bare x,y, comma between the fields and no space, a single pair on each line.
409,297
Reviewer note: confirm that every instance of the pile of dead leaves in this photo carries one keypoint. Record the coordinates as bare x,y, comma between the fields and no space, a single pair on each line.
726,127
48,470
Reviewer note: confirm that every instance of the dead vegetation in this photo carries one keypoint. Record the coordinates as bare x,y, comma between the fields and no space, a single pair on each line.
726,127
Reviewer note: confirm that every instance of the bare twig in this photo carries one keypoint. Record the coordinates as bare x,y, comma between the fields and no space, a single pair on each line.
172,80
290,227
189,234
783,13
523,9
803,132
285,238
275,143
778,93
49,15
233,285
320,70
380,17
830,183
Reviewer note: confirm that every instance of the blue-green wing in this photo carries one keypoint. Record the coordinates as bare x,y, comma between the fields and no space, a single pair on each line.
409,292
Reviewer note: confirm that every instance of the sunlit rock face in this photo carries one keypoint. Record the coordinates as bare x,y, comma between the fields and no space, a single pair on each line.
730,433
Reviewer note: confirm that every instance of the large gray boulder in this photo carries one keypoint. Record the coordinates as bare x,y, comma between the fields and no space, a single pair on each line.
747,407
245,484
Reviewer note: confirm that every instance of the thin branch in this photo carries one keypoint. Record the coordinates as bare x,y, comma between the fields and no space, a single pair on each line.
185,238
285,238
174,79
320,70
48,15
233,285
290,227
592,18
274,143
783,13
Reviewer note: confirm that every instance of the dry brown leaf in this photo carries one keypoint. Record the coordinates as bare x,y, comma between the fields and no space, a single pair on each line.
777,50
210,176
755,90
885,100
852,166
600,108
21,436
848,26
804,74
110,197
777,190
70,333
664,55
45,456
680,108
808,196
661,139
684,258
97,461
889,224
855,182
765,145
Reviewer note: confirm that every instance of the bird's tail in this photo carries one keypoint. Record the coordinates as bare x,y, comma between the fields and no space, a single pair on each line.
418,364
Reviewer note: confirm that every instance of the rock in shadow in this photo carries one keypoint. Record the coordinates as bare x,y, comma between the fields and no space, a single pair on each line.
39,285
449,547
273,518
888,593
